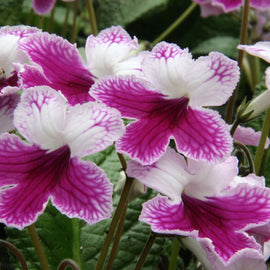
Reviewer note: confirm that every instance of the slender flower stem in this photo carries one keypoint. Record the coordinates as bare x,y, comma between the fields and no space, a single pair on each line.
41,22
117,238
145,252
174,254
260,149
64,30
73,31
38,247
30,17
68,262
51,25
243,40
16,252
175,24
116,217
92,17
76,240
123,161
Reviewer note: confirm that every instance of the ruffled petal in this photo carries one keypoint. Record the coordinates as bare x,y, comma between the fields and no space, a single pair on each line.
260,49
169,175
10,36
62,65
91,127
202,134
110,52
84,191
218,218
208,81
248,136
8,104
245,259
27,175
42,6
40,117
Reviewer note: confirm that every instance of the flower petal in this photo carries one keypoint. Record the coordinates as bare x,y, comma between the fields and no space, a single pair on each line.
7,105
110,52
91,127
42,6
202,134
217,218
27,175
208,81
84,191
40,117
61,63
260,49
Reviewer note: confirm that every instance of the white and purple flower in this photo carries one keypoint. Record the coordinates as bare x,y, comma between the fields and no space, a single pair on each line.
57,63
10,37
170,103
216,7
208,203
49,165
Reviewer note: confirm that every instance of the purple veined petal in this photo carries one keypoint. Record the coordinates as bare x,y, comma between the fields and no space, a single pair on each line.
84,191
248,136
40,116
27,176
169,175
208,81
108,53
260,4
91,127
218,218
132,96
42,6
246,259
260,49
61,63
202,134
10,36
8,104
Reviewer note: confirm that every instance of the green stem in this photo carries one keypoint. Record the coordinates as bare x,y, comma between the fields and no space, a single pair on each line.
117,238
16,252
180,19
51,25
145,252
64,30
174,254
92,17
243,40
254,63
76,243
113,225
260,149
40,22
38,247
73,31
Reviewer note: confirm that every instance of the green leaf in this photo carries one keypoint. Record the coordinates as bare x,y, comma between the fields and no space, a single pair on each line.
223,44
10,12
123,12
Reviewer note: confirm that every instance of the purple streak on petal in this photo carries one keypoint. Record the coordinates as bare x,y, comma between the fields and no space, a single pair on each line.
8,104
228,5
61,63
202,134
146,140
218,218
83,191
10,81
27,174
42,6
20,31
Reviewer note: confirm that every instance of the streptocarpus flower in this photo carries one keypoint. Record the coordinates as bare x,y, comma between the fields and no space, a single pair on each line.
57,63
49,165
10,37
216,7
45,6
169,104
208,203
